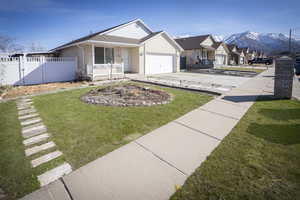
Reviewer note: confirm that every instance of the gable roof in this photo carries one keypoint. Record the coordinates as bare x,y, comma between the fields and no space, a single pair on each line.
194,42
98,33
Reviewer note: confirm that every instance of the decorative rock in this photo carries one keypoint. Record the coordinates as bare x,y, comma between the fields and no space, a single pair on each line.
36,139
28,111
45,158
126,95
23,117
36,149
54,174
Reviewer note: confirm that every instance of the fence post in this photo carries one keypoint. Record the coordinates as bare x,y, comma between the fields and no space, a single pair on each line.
42,62
23,67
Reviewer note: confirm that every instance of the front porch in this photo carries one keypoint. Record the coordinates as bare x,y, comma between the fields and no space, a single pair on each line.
200,58
106,61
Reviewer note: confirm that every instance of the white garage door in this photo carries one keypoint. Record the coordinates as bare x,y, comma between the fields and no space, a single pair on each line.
157,64
220,59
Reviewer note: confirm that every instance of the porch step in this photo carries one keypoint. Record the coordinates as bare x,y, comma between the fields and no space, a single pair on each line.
54,174
33,130
28,116
31,121
45,158
39,148
36,139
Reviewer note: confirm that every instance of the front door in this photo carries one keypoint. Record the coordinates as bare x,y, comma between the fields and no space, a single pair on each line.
125,59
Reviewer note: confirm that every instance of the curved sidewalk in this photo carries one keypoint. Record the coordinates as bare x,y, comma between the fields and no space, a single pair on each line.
151,167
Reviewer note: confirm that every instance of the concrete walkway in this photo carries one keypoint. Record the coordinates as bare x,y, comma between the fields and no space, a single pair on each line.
151,167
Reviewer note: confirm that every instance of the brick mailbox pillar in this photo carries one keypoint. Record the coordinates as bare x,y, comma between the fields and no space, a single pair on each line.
284,73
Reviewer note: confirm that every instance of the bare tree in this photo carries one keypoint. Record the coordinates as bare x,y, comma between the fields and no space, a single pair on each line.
34,47
8,45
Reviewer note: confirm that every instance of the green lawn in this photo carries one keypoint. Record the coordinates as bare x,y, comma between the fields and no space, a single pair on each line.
17,178
259,159
84,132
243,69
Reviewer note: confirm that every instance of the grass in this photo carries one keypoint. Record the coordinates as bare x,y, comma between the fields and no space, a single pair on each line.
259,159
243,69
17,178
84,132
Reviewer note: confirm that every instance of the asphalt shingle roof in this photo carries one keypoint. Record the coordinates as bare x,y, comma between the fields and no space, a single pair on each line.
191,42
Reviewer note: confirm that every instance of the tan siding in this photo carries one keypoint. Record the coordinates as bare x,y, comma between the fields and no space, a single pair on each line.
161,45
134,57
208,41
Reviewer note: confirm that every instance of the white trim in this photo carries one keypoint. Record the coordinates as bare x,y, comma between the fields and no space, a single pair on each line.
113,43
134,21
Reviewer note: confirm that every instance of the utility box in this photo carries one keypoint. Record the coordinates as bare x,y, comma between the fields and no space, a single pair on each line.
284,73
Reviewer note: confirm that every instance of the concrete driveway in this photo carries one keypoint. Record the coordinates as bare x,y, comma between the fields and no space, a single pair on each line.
221,83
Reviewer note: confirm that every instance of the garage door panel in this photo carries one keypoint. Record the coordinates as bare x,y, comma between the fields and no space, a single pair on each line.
157,64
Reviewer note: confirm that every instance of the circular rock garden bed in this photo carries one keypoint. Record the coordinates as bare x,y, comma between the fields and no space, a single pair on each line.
126,95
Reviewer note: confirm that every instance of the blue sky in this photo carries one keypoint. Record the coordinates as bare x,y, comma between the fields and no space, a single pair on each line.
53,22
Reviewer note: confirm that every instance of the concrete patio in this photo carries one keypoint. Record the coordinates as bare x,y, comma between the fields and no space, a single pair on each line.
153,166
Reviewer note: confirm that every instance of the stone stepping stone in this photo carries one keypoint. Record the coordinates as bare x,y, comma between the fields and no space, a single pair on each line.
24,103
27,111
25,107
2,194
54,174
39,148
31,131
31,121
24,100
36,139
45,158
28,116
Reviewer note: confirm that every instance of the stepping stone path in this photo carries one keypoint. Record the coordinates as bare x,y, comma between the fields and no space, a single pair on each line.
36,141
2,194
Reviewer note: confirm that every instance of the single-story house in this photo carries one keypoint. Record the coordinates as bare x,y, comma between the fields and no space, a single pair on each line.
198,51
130,47
221,54
234,55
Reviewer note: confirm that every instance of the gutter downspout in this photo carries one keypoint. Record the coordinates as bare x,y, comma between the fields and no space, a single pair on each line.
82,52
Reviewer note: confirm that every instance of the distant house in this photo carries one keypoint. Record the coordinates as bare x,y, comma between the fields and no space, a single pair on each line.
251,54
242,59
199,51
234,55
131,47
221,54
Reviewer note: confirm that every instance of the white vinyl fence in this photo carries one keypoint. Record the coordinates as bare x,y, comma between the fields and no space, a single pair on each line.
36,70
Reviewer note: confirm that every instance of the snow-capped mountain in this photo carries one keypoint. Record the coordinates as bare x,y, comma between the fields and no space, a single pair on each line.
219,38
268,42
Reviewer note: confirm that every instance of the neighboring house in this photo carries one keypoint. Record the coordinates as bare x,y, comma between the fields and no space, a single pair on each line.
198,51
242,59
247,54
131,47
251,54
221,54
234,55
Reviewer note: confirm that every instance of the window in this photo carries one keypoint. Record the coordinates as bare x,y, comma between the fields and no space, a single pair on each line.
104,55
